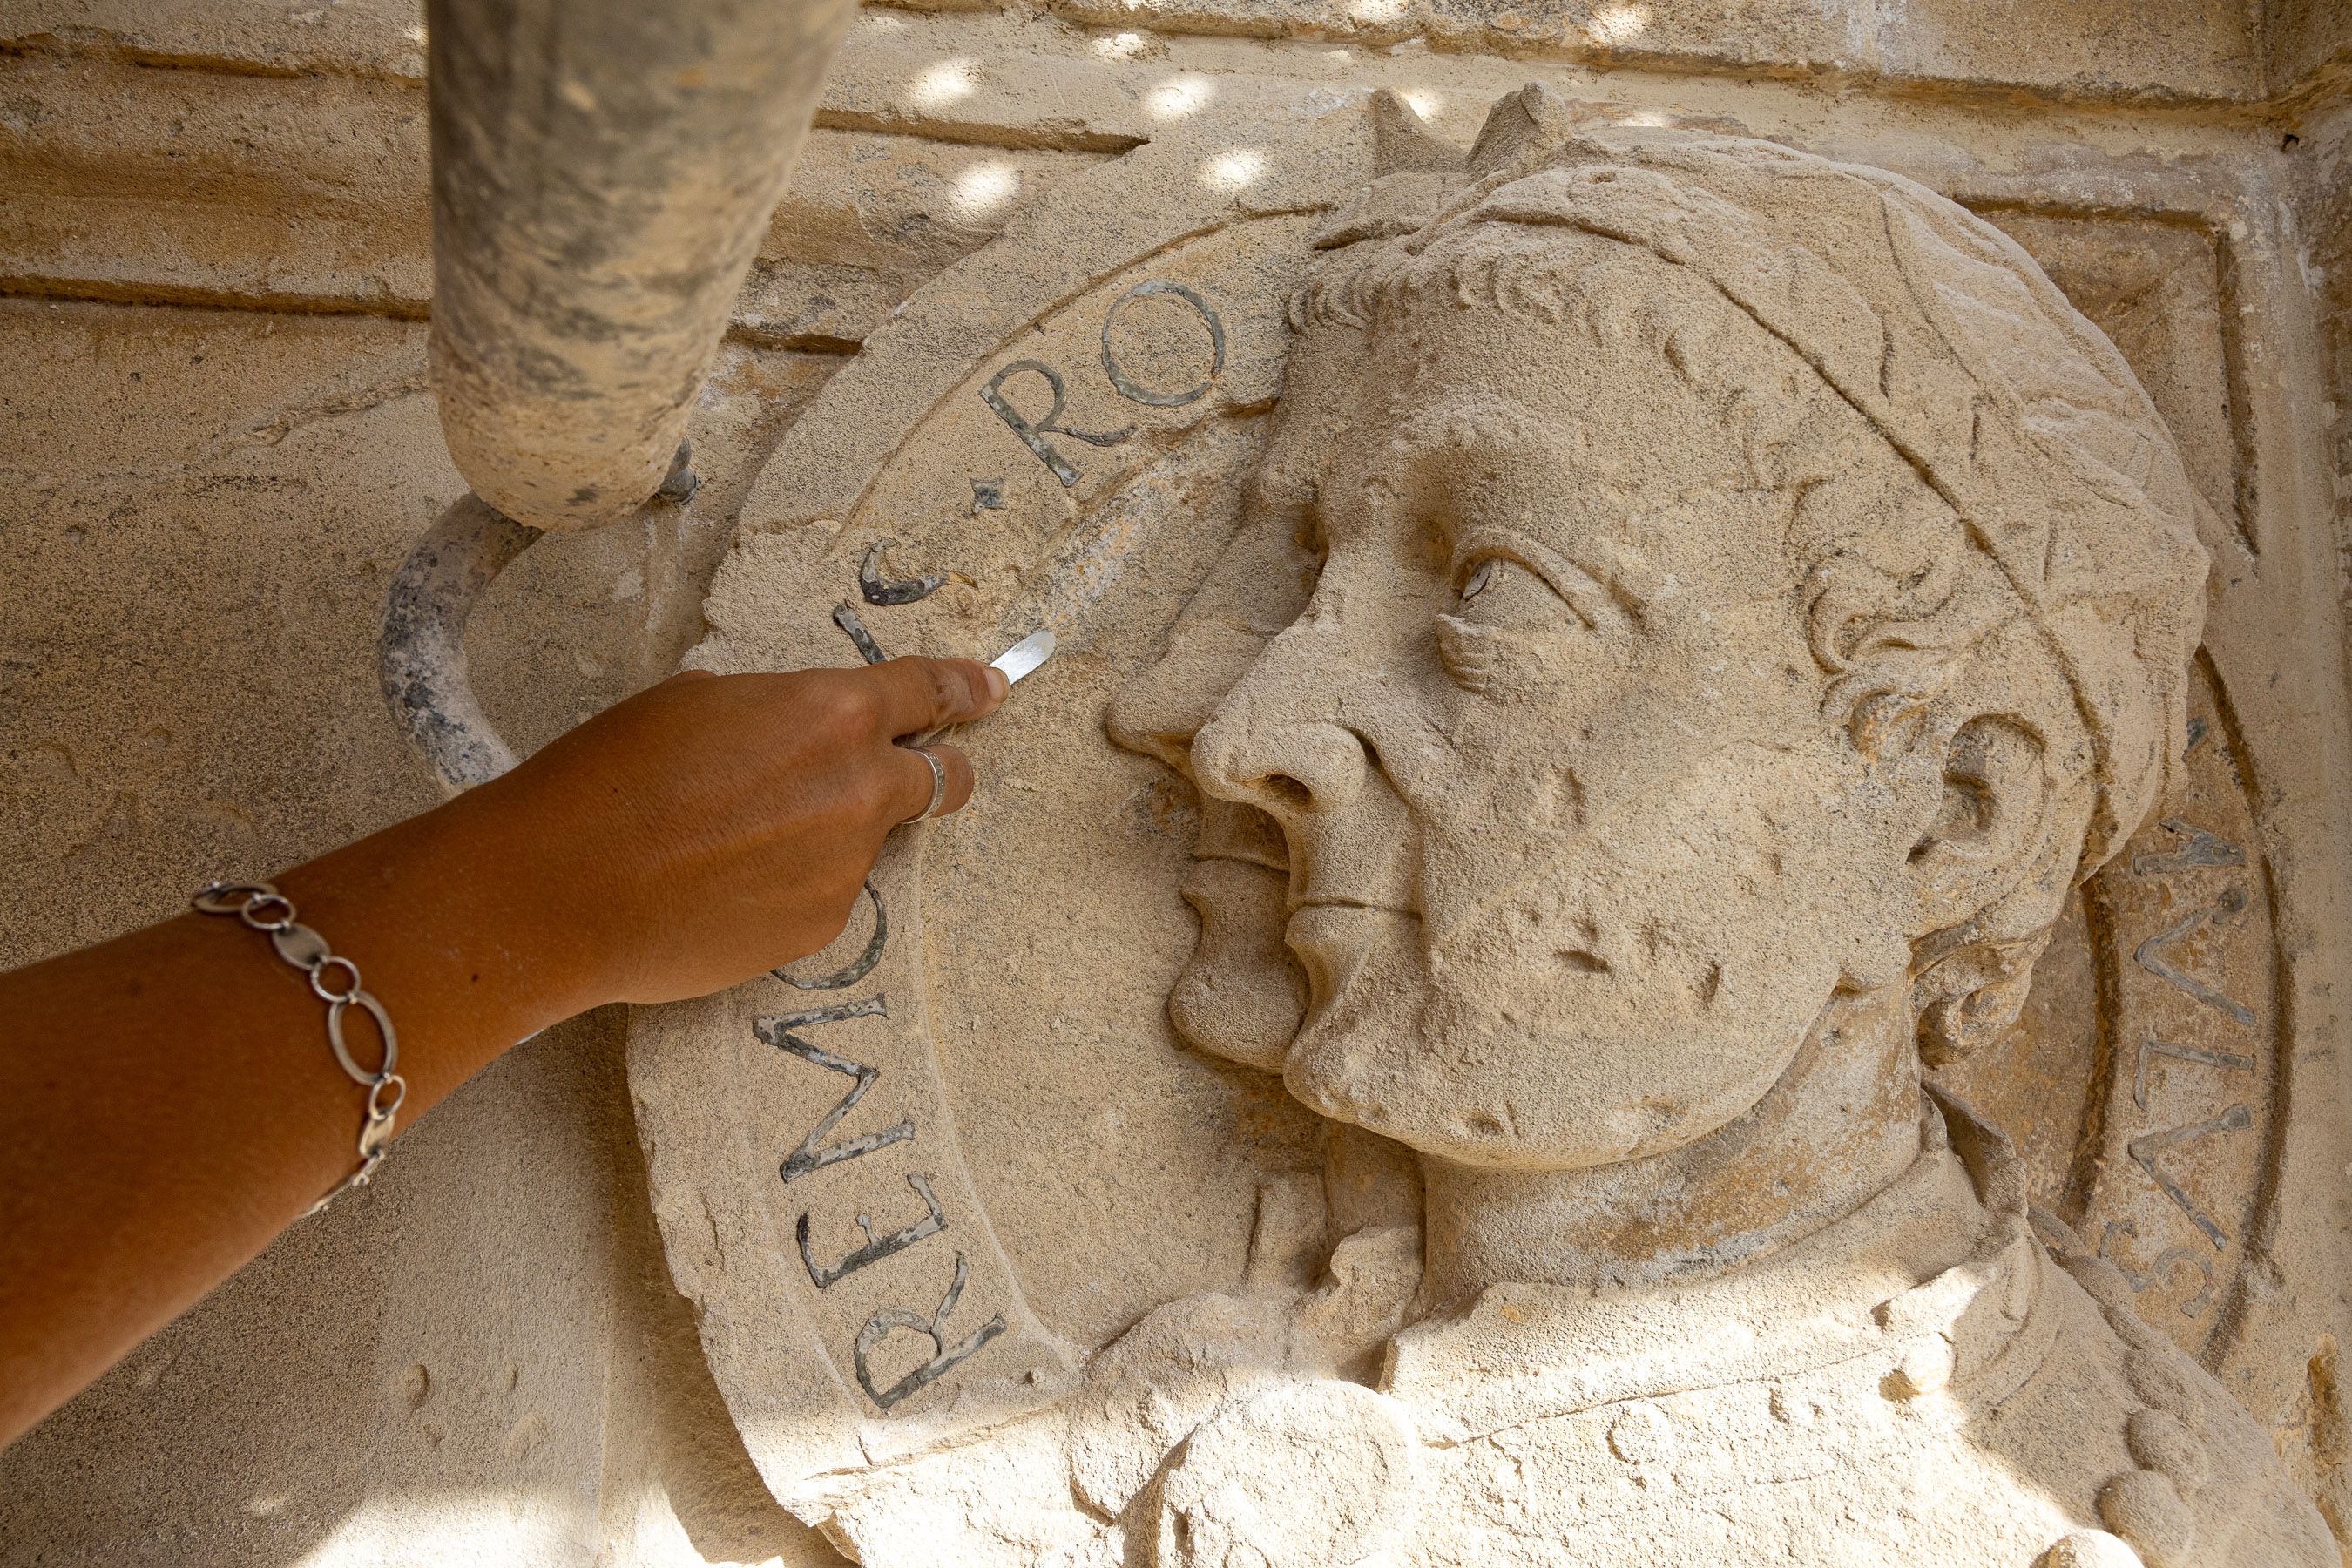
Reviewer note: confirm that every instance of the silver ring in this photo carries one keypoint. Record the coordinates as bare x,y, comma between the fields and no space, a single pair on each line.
939,785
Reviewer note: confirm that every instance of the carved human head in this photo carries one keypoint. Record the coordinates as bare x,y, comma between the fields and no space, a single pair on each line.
1740,582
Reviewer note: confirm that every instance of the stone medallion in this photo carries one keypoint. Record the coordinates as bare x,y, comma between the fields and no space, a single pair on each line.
916,1182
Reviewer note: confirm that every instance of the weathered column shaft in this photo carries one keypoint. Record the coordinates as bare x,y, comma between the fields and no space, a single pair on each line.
602,173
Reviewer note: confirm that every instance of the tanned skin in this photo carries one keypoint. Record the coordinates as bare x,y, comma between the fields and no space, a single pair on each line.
168,1103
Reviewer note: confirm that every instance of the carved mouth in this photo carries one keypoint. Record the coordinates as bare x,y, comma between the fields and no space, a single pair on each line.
1243,858
1333,936
1346,902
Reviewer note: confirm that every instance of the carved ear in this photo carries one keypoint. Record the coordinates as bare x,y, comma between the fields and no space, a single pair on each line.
1987,881
1988,820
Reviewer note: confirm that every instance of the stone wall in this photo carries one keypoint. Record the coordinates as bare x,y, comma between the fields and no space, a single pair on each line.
217,444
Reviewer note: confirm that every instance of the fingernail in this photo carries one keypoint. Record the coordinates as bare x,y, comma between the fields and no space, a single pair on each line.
997,685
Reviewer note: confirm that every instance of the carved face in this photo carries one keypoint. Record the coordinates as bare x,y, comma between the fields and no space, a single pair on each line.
1575,858
1241,994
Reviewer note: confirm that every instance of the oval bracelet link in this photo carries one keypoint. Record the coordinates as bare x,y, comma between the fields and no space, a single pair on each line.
227,897
263,908
377,1110
358,1074
300,946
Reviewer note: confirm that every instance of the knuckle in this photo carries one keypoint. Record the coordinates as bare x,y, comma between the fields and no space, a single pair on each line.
850,706
878,795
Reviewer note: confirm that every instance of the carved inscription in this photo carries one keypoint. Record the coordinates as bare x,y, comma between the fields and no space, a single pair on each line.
815,1155
879,590
892,1320
1126,386
2152,1046
834,1140
877,1247
860,966
2195,852
2188,1097
2156,1272
2149,955
2147,1146
2203,848
1033,432
849,621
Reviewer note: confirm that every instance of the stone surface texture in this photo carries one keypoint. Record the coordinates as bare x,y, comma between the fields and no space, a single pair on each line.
1262,1296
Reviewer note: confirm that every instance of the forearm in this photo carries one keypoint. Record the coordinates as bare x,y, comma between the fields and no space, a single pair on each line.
168,1102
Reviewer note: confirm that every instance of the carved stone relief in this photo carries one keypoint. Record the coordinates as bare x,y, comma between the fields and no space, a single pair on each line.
1627,640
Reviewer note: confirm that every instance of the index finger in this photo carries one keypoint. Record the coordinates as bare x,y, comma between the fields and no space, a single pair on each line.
920,694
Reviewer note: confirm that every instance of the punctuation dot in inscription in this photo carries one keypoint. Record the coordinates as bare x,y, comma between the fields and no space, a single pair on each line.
987,495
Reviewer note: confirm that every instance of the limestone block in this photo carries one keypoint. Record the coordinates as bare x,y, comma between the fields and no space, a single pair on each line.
2110,47
2176,50
382,38
870,217
1737,34
311,194
123,183
989,86
2300,40
906,204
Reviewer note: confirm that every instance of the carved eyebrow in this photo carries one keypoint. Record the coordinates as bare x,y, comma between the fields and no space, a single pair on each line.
1620,572
1596,594
1629,580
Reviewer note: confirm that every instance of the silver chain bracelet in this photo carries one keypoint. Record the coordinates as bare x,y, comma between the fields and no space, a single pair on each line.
268,911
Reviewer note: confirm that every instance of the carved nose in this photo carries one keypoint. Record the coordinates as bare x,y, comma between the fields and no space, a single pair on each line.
1158,712
1274,757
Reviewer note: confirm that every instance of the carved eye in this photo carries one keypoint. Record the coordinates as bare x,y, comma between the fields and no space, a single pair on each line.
1505,619
1500,590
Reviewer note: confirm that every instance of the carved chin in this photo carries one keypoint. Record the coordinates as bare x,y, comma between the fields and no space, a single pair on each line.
1502,1054
1517,1109
1490,1084
1330,1078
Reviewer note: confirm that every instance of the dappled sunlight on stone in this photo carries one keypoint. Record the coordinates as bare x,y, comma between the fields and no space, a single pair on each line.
1615,24
1235,170
453,1530
949,81
984,189
1178,97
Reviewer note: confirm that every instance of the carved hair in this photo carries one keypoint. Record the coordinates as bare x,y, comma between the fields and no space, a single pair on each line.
2040,521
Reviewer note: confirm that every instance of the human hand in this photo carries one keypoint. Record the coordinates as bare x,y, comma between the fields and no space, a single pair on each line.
681,842
716,827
